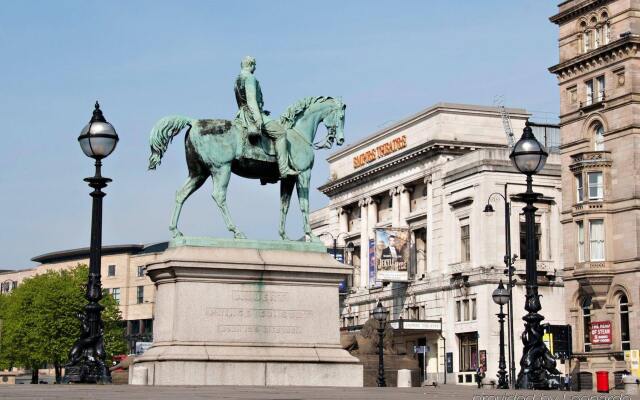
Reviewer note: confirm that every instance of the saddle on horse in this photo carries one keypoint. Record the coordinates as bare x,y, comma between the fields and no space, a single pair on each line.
255,150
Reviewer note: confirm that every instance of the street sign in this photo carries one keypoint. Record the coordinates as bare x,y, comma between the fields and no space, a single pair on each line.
421,349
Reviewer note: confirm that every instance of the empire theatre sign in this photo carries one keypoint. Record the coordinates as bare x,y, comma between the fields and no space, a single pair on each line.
380,151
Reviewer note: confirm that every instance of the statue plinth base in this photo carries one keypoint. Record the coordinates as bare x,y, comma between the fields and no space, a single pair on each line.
246,316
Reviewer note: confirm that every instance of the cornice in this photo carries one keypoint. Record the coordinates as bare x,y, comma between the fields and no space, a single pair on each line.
577,10
332,187
625,46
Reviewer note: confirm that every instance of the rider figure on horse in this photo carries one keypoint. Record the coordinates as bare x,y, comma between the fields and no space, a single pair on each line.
252,118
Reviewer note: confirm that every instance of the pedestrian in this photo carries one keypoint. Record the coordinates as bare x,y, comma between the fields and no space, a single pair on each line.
567,382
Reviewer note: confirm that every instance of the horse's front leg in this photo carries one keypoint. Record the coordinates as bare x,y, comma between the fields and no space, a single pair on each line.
286,189
192,184
220,183
302,186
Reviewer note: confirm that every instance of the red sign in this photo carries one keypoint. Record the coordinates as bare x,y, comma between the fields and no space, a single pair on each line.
601,332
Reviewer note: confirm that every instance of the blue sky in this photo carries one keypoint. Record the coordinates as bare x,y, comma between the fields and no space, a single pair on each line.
147,59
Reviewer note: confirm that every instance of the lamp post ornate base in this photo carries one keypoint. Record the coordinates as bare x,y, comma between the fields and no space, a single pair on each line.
537,364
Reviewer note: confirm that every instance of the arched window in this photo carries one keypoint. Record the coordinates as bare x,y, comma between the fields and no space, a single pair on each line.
586,322
598,131
623,305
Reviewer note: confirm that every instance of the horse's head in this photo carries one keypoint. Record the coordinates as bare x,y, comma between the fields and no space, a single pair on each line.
334,122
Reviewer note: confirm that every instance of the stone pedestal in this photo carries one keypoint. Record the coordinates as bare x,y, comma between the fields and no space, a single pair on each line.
247,316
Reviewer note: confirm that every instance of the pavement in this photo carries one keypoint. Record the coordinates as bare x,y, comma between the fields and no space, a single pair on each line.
107,392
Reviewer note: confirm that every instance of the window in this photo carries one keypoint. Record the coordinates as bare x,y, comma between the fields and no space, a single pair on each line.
585,41
14,285
134,327
111,271
600,87
465,309
140,271
596,191
572,93
598,138
579,189
465,243
595,89
140,294
596,240
458,311
523,239
468,351
115,292
473,309
586,322
589,86
624,322
580,241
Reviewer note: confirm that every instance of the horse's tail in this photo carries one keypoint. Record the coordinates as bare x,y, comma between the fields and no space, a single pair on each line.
162,134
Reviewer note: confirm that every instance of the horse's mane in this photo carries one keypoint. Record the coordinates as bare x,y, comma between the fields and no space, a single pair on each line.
294,112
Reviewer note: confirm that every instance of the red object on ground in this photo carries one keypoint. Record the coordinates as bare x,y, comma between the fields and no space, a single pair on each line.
602,381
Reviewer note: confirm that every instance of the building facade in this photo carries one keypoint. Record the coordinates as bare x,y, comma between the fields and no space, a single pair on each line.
433,173
123,275
598,76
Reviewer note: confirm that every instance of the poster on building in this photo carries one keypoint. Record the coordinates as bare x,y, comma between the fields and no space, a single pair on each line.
632,357
483,360
373,282
601,332
392,254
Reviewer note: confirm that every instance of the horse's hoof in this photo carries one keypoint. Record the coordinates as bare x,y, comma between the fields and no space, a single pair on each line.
176,234
239,235
311,238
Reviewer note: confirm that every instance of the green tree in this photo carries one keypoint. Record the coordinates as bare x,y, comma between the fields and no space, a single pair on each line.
40,324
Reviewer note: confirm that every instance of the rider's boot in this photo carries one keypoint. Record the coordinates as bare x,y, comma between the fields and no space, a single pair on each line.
283,158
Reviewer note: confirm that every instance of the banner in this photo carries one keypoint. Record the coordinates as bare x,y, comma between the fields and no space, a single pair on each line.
601,332
373,282
392,254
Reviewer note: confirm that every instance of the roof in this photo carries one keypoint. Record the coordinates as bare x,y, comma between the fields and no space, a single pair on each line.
439,107
76,254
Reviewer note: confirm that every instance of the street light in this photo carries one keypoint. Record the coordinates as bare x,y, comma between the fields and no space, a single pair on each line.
335,242
501,297
86,364
537,363
380,314
508,261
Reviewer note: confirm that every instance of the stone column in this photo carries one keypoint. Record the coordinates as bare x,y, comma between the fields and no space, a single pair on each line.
364,245
395,207
429,264
372,215
404,192
343,224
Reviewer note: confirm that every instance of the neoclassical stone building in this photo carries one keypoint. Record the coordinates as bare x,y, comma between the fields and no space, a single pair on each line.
433,173
599,81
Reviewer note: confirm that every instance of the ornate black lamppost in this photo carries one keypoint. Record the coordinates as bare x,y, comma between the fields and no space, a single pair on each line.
335,243
508,262
537,363
501,297
86,364
380,314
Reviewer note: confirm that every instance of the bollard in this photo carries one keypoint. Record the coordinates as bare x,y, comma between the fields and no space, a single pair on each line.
630,385
404,378
140,376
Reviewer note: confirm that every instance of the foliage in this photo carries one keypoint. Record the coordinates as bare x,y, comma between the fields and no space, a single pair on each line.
39,323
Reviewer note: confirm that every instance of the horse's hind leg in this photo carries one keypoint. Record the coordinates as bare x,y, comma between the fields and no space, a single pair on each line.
286,188
220,182
192,184
302,186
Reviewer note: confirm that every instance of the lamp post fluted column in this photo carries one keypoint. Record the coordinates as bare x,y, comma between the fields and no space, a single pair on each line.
503,382
87,362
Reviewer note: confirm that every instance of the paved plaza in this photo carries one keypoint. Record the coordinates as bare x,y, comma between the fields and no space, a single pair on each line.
289,393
